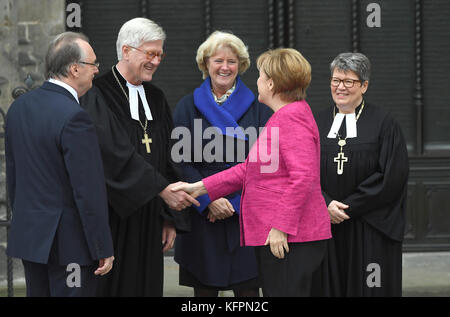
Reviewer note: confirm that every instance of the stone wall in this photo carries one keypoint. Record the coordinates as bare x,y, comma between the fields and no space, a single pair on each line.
26,28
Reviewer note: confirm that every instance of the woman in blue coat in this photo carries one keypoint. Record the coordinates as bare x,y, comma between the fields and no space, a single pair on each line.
215,127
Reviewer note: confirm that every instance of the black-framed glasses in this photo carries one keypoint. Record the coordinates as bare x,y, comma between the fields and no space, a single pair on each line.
348,83
150,54
96,64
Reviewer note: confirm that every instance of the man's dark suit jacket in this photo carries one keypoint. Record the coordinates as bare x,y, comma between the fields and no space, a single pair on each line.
55,181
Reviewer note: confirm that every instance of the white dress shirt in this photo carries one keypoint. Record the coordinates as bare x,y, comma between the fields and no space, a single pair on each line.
66,86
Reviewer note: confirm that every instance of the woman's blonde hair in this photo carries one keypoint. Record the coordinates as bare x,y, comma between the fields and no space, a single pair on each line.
289,71
218,40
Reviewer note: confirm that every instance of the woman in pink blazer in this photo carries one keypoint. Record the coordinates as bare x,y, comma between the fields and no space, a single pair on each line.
283,211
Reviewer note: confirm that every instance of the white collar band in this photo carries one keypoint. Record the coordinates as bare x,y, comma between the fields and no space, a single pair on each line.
134,102
350,125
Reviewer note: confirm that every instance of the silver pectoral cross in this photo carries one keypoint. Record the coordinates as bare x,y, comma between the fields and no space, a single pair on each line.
340,159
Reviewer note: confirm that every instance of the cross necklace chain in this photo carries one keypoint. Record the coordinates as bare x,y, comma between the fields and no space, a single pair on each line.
340,159
146,140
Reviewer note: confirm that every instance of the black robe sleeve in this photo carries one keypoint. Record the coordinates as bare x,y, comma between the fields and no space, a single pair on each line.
386,185
131,181
380,198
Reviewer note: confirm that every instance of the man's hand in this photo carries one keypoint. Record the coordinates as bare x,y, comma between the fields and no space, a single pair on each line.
220,209
194,189
177,200
337,213
168,236
104,266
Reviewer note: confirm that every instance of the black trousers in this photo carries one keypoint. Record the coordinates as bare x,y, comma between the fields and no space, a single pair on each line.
293,275
44,280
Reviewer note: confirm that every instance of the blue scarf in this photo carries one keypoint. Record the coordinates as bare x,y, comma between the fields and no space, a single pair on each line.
222,117
229,112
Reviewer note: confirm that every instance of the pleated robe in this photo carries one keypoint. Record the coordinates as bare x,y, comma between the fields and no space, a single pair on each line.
365,253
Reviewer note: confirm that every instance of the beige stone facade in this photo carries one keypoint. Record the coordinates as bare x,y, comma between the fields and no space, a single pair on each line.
26,28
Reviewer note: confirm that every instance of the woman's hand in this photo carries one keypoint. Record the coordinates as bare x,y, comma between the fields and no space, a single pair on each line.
278,243
337,213
193,189
177,199
220,209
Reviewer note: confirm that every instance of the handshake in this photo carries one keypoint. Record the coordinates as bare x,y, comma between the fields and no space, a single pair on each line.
181,195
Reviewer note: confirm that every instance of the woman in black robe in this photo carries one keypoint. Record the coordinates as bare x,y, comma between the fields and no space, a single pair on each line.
364,172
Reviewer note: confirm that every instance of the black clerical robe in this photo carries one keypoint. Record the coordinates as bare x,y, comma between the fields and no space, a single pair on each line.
365,253
133,179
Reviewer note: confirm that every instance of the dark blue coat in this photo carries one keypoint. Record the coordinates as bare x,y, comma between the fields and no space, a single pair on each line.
211,251
55,180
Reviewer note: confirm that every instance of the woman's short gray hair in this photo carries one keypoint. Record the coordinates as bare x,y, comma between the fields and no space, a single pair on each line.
137,31
63,52
355,62
217,40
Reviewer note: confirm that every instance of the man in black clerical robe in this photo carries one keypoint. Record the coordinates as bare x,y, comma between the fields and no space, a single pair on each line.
134,124
365,253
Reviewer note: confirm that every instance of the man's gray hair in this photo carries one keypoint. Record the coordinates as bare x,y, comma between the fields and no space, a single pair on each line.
355,62
137,31
63,52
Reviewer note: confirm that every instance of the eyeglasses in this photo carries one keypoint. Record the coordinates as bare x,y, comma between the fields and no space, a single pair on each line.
96,64
348,83
150,55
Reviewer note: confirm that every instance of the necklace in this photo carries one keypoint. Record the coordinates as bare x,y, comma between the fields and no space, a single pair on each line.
225,96
340,159
146,140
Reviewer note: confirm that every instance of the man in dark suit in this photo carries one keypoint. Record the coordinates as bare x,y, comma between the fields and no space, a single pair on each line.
55,178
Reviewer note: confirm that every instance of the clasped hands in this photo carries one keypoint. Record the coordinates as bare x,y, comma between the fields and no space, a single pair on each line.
178,199
220,209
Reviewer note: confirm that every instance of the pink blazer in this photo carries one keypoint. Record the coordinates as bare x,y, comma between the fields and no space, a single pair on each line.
280,181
